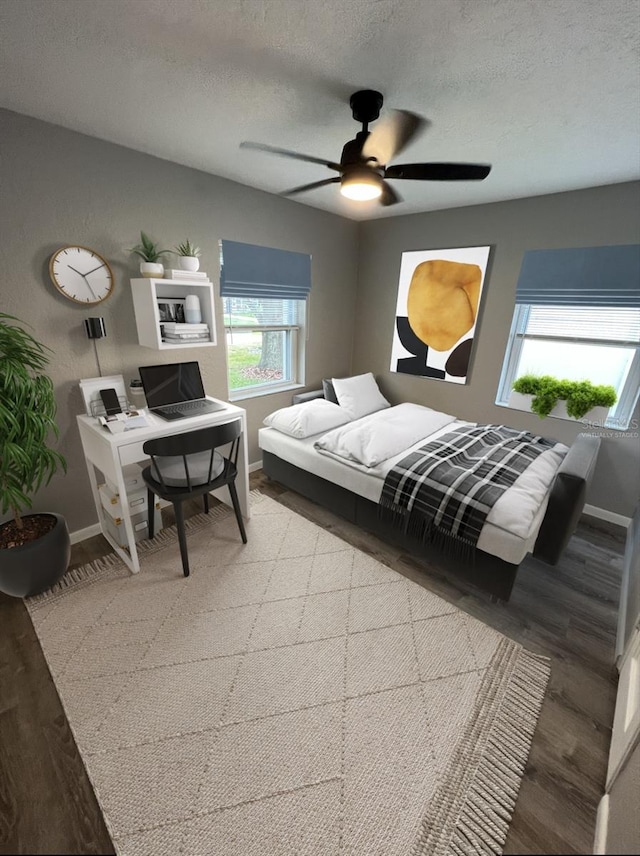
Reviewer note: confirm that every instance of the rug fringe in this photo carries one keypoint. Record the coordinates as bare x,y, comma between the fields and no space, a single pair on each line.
481,823
84,574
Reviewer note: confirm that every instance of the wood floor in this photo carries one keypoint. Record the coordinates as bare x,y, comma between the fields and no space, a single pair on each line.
567,613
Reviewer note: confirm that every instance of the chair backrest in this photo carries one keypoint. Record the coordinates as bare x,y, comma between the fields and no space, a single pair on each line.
192,445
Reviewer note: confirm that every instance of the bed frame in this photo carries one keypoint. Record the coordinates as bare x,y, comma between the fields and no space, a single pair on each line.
487,572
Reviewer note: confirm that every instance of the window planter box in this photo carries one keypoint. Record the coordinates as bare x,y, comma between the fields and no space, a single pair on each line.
597,415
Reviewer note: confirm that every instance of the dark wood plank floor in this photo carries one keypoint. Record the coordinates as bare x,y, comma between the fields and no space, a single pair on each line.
567,613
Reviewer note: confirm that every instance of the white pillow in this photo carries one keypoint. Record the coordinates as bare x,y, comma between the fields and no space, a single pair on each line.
359,395
308,418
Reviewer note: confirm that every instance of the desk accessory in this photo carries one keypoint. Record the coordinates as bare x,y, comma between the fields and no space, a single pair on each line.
109,398
90,388
81,274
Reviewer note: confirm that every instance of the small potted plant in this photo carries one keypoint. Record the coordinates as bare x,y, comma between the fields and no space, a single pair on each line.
148,251
34,548
568,399
189,255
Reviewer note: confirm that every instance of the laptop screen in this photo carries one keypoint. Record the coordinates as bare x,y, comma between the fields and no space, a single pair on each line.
171,383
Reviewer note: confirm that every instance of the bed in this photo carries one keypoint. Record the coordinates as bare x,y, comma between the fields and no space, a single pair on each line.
537,515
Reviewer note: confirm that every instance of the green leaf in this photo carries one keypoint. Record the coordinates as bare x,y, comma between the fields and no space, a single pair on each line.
27,417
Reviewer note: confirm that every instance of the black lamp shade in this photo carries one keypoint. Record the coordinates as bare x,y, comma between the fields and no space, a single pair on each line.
95,328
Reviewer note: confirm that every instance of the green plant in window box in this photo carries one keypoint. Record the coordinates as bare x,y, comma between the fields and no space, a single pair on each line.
580,395
34,548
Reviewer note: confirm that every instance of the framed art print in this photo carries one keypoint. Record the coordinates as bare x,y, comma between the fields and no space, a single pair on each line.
439,294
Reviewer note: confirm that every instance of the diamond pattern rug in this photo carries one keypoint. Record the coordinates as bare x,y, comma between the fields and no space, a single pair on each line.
292,697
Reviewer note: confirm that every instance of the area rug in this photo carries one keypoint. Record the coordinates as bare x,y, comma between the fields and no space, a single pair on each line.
292,697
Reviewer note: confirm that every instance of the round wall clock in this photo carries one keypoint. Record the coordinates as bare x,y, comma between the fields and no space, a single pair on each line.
81,274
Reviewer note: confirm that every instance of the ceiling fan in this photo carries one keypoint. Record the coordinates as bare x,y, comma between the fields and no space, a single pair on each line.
363,169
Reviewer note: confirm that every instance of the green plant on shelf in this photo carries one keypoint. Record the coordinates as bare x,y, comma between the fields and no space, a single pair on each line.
186,248
148,249
580,395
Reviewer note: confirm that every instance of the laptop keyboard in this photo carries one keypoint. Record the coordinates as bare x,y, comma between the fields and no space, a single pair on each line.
186,408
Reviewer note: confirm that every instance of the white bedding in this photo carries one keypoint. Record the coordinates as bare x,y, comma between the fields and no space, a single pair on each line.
512,525
381,435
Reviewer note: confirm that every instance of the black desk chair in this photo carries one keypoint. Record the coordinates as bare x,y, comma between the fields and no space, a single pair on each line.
184,466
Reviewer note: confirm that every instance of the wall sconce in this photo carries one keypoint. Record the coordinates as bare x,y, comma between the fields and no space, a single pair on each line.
95,329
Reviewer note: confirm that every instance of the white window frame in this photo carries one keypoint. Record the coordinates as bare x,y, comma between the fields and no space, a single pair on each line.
619,416
294,356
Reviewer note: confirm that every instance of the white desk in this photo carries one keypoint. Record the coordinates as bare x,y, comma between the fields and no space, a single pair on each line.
108,453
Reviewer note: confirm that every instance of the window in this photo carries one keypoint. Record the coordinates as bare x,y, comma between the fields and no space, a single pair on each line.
264,292
265,339
577,343
577,317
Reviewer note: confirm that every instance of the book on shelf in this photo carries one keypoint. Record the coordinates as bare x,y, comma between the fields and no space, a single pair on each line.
187,337
177,327
191,275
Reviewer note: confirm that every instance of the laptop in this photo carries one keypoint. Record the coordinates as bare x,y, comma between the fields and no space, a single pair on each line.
175,391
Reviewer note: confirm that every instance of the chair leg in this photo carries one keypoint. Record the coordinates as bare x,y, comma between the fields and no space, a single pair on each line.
236,508
205,498
151,505
182,538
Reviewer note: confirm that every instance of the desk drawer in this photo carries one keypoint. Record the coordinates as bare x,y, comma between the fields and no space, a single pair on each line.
132,453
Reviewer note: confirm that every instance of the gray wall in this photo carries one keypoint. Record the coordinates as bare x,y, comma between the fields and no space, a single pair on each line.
59,187
598,216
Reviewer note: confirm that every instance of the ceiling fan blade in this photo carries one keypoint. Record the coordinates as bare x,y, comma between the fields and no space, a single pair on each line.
389,195
260,147
439,171
391,135
311,186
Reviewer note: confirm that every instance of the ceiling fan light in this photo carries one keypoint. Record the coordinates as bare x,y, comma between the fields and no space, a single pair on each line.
361,186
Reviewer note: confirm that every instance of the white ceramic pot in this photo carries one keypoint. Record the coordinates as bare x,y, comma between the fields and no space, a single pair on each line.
152,269
189,263
595,416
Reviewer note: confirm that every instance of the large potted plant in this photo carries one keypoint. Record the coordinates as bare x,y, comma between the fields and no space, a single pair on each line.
34,548
572,399
147,250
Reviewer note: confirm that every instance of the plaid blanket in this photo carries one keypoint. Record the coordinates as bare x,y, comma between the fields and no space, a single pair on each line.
447,487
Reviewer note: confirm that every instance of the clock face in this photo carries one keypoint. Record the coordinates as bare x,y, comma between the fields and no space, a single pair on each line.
81,274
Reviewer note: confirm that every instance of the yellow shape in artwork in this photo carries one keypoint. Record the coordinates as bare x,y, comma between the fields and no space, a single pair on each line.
442,303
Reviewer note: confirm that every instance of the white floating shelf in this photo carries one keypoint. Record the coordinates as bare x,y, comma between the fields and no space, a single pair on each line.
148,292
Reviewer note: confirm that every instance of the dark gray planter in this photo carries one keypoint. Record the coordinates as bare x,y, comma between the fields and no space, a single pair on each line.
36,566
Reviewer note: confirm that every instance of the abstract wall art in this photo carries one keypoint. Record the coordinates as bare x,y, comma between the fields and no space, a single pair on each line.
439,294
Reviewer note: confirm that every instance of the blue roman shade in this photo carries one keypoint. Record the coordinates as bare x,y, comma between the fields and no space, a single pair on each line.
584,276
250,271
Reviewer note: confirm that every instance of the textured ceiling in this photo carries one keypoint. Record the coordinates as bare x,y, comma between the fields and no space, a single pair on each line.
545,90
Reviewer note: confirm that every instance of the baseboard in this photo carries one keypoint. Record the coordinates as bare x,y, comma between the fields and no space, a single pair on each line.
602,822
83,534
609,516
253,467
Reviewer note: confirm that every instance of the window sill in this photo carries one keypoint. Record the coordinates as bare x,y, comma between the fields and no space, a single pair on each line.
587,421
259,392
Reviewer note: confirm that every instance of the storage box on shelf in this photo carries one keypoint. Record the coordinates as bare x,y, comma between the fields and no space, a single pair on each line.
140,523
137,498
147,293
